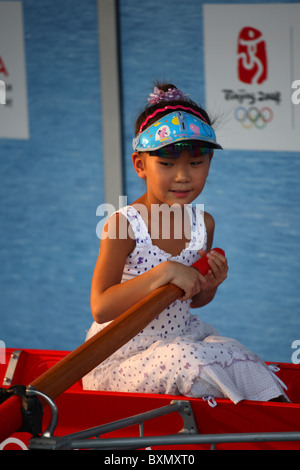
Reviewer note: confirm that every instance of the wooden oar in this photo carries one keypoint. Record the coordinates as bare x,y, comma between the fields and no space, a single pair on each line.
94,351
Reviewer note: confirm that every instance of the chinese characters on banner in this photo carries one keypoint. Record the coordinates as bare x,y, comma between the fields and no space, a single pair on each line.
13,109
251,65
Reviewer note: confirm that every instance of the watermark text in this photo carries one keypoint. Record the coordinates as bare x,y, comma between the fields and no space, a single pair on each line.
163,221
296,354
2,352
296,94
2,92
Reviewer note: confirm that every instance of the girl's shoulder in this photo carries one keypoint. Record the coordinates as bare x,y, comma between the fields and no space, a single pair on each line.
117,232
210,228
128,225
209,221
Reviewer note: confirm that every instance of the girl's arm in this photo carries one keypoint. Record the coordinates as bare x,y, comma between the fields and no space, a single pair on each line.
110,297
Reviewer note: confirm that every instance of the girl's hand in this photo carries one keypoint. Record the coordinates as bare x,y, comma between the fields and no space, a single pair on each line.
219,269
215,276
187,278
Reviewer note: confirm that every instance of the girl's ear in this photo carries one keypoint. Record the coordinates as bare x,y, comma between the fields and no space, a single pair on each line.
138,161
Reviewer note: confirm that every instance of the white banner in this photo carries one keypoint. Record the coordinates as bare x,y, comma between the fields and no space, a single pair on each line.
13,105
252,70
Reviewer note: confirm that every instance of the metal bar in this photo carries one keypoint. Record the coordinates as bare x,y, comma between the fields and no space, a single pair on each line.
126,422
131,443
111,101
186,439
30,391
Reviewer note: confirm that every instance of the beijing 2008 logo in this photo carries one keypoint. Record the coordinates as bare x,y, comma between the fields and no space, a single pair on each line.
252,56
252,69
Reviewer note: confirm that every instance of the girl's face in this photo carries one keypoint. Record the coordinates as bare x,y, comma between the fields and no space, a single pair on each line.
172,180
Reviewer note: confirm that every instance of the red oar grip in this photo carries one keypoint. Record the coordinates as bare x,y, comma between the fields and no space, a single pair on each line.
202,263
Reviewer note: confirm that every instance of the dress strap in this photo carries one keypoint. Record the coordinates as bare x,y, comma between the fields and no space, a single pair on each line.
198,229
137,224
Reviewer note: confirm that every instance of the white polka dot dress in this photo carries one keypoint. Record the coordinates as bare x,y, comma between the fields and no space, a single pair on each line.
177,353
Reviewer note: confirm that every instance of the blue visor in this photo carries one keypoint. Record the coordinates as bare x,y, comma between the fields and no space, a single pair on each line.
174,127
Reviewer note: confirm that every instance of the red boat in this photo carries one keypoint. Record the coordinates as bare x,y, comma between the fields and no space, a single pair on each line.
139,421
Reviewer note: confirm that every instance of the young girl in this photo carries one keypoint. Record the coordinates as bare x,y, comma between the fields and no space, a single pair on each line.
164,235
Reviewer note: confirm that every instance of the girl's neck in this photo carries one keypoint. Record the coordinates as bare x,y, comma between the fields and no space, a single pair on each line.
169,226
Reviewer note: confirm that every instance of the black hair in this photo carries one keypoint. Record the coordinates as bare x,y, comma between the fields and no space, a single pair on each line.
151,108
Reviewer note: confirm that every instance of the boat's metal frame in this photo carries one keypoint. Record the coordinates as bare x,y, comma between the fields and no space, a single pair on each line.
92,438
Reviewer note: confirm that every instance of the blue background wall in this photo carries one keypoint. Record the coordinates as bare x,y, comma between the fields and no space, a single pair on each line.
52,184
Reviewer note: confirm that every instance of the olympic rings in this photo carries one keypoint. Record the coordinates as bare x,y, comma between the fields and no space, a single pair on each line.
253,116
